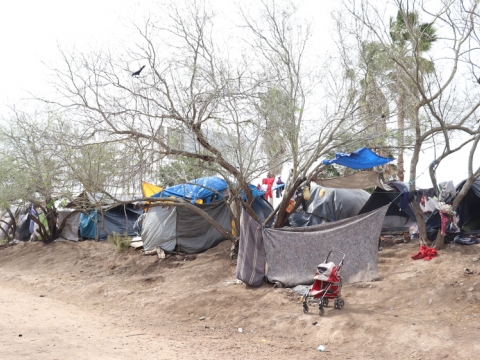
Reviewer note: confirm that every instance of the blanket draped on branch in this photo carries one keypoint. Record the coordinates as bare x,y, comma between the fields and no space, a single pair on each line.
292,254
363,158
359,180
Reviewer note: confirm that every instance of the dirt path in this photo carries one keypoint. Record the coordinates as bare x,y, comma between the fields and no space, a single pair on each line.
99,304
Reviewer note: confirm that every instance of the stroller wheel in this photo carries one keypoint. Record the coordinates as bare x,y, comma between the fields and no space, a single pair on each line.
321,311
325,302
339,303
305,309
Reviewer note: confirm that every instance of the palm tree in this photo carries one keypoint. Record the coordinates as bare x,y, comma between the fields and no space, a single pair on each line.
410,39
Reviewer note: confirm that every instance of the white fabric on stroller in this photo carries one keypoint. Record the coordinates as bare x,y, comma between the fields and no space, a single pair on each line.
324,271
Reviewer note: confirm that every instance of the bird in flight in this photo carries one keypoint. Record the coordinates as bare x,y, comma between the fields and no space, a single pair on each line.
136,73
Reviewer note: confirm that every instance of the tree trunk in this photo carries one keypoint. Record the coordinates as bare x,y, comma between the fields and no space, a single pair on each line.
422,228
440,241
401,136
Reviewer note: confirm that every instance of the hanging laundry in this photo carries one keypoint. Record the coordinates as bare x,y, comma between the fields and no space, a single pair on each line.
447,191
268,191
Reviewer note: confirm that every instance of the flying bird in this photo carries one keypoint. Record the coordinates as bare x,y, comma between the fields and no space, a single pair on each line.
136,73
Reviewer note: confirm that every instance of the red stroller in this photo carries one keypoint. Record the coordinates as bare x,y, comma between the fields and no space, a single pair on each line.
327,285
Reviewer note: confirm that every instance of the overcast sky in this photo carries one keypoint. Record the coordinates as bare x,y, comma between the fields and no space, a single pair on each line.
31,31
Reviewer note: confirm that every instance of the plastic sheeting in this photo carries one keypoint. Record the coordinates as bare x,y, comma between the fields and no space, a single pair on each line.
72,224
363,158
168,227
88,225
336,204
120,220
195,234
396,218
297,219
160,228
150,189
23,228
262,208
207,189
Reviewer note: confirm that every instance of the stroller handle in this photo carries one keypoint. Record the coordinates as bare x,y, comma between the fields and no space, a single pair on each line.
326,259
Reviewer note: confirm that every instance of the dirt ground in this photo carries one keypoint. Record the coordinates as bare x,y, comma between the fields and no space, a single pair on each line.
86,301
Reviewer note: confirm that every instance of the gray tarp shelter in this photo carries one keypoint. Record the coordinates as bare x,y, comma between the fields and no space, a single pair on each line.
70,230
169,226
336,204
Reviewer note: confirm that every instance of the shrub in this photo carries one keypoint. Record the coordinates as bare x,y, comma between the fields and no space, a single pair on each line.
121,242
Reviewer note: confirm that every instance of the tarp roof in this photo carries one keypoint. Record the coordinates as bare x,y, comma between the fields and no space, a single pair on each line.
363,158
201,188
150,189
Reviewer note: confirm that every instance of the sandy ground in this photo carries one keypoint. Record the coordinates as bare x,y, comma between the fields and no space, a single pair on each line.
86,301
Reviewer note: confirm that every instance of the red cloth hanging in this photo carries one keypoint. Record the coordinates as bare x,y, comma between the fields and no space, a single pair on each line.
269,183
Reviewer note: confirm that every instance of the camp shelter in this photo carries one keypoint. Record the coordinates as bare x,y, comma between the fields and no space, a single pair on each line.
396,218
336,204
101,218
119,219
468,213
202,190
71,226
171,227
22,231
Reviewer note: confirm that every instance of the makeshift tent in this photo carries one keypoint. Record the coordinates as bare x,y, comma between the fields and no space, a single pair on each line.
262,208
397,218
336,204
359,180
119,219
363,158
169,226
71,227
468,213
207,189
22,231
289,257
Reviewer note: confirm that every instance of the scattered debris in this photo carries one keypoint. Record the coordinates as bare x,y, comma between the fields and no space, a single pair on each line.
202,318
321,348
240,330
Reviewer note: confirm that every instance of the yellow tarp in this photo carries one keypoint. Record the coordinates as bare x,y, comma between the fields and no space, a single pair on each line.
150,189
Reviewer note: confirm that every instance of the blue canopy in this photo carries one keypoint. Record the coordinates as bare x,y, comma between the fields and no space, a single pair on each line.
363,158
207,189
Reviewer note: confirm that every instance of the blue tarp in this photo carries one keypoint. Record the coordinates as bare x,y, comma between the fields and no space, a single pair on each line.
193,192
256,192
88,225
363,158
